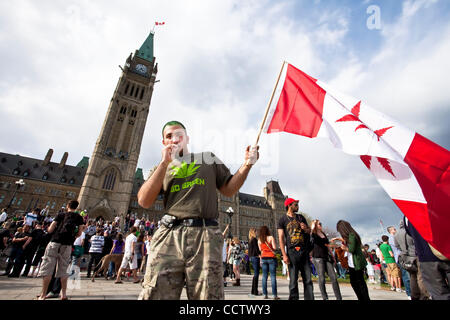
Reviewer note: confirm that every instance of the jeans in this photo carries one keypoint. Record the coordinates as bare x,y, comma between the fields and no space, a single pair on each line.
75,262
323,265
15,259
111,268
341,270
269,265
359,284
299,261
406,280
255,263
94,260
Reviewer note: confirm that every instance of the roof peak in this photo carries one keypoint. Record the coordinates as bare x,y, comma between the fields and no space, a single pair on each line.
146,50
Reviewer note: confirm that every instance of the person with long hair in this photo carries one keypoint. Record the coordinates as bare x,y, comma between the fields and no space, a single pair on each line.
351,242
236,255
267,246
254,253
322,259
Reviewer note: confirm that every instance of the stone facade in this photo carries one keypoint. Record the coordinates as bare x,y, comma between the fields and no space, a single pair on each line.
55,184
46,183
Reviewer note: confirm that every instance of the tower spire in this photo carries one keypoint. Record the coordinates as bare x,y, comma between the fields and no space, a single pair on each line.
146,50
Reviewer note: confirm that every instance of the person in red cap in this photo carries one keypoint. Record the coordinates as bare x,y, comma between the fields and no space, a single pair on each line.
294,233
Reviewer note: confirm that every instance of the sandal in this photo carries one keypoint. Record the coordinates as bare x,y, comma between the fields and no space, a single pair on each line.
137,281
118,281
66,298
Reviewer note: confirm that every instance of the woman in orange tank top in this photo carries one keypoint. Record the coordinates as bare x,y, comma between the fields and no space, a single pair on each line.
267,246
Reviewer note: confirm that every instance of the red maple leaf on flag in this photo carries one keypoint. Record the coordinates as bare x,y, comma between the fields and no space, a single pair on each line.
380,132
367,160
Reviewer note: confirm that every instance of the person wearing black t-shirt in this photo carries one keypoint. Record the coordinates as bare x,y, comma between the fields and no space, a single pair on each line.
294,233
254,255
64,229
31,246
323,260
17,253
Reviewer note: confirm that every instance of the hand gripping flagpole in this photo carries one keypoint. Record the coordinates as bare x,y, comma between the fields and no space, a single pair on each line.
267,109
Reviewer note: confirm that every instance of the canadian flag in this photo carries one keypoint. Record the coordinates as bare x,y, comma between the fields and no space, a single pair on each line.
159,23
413,170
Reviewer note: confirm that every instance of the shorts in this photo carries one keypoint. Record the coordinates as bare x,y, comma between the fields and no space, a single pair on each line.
129,260
393,270
237,262
57,255
179,255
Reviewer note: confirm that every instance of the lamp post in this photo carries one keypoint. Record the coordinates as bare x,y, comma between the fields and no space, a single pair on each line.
230,213
19,183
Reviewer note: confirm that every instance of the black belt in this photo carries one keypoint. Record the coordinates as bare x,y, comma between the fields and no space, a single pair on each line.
198,222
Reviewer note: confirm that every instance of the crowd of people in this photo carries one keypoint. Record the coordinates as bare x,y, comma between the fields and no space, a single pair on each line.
25,238
395,261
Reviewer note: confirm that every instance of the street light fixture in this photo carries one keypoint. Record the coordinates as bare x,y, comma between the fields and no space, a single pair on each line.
230,213
19,183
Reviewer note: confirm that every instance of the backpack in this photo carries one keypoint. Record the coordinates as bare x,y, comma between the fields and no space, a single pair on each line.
69,226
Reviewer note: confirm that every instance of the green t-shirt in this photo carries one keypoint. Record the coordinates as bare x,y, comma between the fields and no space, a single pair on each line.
385,248
190,185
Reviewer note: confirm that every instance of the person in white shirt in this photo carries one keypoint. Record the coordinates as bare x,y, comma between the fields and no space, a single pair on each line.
3,216
137,222
78,252
129,257
31,217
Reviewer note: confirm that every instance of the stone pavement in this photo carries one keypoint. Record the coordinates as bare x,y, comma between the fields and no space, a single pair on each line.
83,289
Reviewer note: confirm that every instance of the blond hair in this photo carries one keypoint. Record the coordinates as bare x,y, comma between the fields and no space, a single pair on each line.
251,233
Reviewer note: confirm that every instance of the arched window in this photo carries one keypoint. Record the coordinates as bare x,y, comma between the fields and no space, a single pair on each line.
110,179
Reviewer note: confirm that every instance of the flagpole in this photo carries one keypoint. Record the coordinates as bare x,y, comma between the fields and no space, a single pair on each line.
268,105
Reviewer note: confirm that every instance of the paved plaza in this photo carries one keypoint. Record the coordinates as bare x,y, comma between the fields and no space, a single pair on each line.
28,288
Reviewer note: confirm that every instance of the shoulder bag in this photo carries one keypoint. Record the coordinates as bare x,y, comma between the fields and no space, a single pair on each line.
407,262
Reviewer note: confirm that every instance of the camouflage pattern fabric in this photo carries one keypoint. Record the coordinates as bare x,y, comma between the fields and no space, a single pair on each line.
184,254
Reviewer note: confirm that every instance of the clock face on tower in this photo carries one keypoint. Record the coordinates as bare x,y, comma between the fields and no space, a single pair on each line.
140,68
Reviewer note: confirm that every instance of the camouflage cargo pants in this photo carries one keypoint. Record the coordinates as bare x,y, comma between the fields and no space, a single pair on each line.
184,254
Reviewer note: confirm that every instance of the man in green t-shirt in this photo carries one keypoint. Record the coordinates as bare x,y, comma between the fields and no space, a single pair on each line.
187,248
392,269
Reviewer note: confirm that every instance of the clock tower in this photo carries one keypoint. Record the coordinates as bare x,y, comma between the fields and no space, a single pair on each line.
108,182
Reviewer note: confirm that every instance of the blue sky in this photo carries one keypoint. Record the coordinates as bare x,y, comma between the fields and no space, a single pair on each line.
218,61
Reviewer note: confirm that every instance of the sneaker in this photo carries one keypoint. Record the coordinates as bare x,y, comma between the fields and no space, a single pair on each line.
392,289
275,297
398,290
409,298
266,297
251,295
